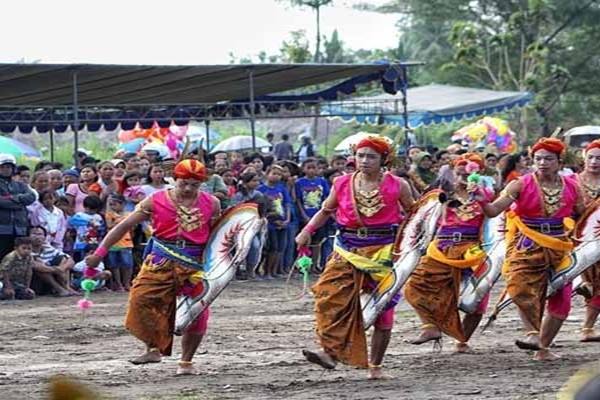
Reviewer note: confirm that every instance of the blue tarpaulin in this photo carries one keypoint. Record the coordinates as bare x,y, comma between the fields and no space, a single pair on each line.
430,104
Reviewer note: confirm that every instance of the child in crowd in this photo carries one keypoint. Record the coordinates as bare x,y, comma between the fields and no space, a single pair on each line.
16,271
278,217
44,213
88,225
100,277
132,190
338,162
237,162
120,255
311,192
327,247
246,192
229,181
290,173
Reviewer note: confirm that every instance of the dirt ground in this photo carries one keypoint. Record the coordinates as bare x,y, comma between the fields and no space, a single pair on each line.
253,351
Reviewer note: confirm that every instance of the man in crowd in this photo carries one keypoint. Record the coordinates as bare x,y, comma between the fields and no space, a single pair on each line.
14,198
284,149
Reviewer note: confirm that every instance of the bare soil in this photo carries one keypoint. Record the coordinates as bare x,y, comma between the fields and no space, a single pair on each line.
253,351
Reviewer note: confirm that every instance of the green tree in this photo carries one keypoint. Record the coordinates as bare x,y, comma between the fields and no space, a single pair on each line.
315,5
334,49
296,49
548,47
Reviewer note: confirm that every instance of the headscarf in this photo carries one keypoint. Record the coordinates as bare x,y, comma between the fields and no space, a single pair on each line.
190,169
377,143
427,175
552,145
593,145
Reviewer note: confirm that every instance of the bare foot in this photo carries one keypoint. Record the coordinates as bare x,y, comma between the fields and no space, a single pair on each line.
376,373
148,357
545,355
531,342
320,358
427,335
463,348
186,368
588,335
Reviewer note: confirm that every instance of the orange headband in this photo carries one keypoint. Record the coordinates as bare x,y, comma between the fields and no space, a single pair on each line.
190,169
376,143
552,145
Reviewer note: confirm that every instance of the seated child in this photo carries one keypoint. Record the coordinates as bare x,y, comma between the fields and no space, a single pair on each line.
16,270
78,272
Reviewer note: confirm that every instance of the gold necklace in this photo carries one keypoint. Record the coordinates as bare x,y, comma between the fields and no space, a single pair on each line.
368,202
188,218
551,197
592,191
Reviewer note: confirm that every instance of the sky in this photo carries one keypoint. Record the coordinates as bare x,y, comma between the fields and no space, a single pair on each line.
174,32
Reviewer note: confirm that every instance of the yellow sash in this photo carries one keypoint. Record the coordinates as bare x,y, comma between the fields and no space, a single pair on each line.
514,224
473,257
378,266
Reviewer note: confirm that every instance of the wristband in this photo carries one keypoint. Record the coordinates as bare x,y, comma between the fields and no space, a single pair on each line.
101,252
310,228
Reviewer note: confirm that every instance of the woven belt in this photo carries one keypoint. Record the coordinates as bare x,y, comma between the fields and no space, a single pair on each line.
182,244
365,232
547,227
458,237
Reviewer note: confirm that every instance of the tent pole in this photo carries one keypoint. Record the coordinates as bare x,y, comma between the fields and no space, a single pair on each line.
51,144
206,124
252,115
405,107
75,120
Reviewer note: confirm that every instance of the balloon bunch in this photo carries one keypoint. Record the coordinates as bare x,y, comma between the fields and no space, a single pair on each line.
87,285
169,142
487,131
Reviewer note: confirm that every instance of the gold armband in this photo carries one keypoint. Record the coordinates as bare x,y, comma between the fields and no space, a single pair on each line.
511,196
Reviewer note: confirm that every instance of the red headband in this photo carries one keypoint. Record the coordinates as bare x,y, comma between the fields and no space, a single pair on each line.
472,157
593,145
377,143
552,145
190,169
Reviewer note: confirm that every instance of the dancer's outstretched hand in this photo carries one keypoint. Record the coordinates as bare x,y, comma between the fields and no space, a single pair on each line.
92,261
303,239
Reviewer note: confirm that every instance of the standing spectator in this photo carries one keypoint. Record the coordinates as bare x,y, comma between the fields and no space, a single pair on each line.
144,165
132,190
230,182
51,266
120,168
338,162
284,149
23,174
422,175
327,247
270,138
155,181
290,173
237,162
40,182
306,149
16,270
278,217
55,177
247,185
516,166
120,255
88,225
214,185
45,213
311,191
258,163
14,198
77,192
132,162
105,185
221,165
70,176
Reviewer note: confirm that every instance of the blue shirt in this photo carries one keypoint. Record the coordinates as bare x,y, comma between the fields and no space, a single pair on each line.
280,202
311,193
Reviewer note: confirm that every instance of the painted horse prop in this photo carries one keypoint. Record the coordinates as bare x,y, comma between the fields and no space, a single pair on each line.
414,237
584,255
225,250
483,279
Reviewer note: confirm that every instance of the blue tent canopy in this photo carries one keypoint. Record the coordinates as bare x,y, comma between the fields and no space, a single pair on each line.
430,104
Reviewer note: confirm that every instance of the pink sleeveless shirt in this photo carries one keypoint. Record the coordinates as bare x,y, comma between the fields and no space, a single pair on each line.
164,218
390,214
530,204
471,215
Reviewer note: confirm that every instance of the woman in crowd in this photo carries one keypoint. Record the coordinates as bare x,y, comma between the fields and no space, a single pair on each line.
77,192
155,180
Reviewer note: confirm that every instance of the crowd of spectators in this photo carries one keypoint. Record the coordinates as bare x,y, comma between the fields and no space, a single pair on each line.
52,216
